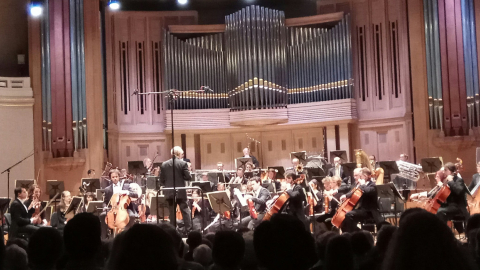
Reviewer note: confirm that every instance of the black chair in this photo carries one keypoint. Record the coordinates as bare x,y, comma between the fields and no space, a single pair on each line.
8,220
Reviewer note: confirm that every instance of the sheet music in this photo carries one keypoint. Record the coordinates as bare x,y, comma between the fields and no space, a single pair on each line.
240,198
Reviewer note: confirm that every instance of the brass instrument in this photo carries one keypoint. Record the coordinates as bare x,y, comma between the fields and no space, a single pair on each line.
409,170
363,161
299,168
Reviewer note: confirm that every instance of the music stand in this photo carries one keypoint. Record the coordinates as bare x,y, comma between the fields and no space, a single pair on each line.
100,193
24,183
348,169
160,207
90,184
53,188
136,168
48,213
216,177
242,162
301,156
248,175
389,168
203,185
342,154
94,207
153,182
219,202
74,205
280,171
431,165
390,191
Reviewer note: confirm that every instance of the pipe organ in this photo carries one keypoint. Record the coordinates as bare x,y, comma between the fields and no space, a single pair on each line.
452,66
260,63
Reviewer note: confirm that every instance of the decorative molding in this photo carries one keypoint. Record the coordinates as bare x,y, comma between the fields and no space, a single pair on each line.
322,112
197,29
16,92
259,117
316,19
64,164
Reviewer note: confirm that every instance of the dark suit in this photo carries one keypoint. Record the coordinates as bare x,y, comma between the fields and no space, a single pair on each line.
20,220
296,204
367,207
130,209
474,183
205,214
167,179
343,175
260,207
456,204
254,161
332,210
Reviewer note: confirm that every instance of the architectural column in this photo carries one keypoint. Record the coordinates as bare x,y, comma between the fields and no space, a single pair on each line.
344,138
191,148
331,142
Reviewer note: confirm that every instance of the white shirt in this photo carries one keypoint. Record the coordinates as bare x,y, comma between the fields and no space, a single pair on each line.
117,188
23,203
337,170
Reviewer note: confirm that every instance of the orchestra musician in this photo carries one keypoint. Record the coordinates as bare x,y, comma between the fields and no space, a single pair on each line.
200,209
475,179
148,164
456,204
403,157
179,176
337,170
34,203
138,201
246,154
58,220
239,179
91,173
367,206
249,167
117,187
21,223
316,193
332,196
373,161
297,199
440,176
220,169
272,179
260,197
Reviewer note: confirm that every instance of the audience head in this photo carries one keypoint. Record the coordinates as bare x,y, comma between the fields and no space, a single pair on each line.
339,254
249,260
81,236
177,241
384,237
150,243
202,255
194,239
45,248
409,212
423,241
284,237
473,223
228,249
210,237
15,258
321,243
362,242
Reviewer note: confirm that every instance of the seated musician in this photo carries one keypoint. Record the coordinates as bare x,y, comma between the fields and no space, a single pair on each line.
34,203
246,154
317,207
239,179
260,197
367,206
137,202
456,204
21,223
220,169
272,179
298,197
337,170
332,197
249,167
58,220
89,197
475,179
200,208
440,176
117,187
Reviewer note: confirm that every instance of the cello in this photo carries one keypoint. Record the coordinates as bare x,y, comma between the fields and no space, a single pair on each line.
117,218
346,207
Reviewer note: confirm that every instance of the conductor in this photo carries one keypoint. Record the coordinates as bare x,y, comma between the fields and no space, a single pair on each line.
167,178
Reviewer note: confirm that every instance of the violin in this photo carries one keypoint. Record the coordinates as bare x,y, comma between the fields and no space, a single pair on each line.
310,208
326,202
142,209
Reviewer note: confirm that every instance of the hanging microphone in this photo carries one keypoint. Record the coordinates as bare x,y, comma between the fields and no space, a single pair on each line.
207,89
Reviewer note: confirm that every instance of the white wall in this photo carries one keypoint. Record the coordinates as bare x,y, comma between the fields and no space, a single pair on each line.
16,130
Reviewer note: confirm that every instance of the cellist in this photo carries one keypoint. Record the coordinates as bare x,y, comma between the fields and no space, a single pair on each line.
367,206
456,204
117,187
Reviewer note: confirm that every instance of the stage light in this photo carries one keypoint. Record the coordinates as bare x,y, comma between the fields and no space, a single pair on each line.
36,9
182,2
114,5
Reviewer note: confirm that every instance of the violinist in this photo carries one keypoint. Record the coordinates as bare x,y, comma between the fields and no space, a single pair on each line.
138,203
456,204
21,223
239,179
272,179
260,197
58,220
249,167
298,198
332,197
34,204
200,209
316,193
367,206
117,187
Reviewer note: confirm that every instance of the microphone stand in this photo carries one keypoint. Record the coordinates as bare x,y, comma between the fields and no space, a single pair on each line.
8,172
172,96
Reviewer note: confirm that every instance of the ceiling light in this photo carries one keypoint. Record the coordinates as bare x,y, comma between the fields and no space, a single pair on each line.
36,9
182,2
114,5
